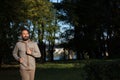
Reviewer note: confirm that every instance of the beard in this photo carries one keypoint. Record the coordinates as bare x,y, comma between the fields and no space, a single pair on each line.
25,38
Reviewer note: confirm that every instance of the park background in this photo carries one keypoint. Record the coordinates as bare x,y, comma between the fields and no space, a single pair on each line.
78,39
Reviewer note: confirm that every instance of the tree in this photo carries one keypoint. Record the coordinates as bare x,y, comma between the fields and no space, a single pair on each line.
94,24
23,13
8,16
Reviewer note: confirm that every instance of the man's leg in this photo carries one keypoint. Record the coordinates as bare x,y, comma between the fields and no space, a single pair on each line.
24,74
32,74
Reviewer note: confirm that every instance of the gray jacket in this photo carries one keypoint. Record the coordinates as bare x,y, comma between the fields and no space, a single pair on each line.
20,52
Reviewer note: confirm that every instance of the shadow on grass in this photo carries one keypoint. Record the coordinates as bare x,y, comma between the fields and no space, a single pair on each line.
77,70
59,74
51,73
10,73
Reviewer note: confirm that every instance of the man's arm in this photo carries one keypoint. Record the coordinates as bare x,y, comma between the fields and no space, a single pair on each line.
36,52
15,53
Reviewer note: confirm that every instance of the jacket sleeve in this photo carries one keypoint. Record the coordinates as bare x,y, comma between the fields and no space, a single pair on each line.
15,53
36,53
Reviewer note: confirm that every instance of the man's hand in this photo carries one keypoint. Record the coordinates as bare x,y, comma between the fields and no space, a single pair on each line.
21,60
29,51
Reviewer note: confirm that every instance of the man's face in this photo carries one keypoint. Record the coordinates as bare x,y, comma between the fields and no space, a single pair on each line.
25,35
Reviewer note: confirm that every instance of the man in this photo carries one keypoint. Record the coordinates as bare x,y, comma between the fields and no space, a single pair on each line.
25,53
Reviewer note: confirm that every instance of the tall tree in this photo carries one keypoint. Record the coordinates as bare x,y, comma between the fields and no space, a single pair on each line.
32,14
93,21
9,14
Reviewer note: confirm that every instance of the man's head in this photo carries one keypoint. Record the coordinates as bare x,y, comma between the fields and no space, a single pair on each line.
25,34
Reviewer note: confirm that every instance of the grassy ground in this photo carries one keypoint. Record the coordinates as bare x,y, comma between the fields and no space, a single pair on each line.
46,71
72,70
58,71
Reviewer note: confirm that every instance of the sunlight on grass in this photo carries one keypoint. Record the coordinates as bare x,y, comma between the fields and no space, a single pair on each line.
54,65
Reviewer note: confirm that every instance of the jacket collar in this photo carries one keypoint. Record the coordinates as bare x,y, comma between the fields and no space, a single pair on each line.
25,41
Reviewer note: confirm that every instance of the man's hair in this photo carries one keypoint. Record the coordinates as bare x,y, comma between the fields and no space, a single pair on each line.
24,29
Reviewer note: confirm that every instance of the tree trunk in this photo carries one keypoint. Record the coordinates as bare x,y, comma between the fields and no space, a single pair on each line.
42,48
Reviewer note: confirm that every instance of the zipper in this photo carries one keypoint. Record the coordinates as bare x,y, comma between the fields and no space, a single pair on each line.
27,55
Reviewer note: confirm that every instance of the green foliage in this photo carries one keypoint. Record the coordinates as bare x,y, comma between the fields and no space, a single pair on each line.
35,15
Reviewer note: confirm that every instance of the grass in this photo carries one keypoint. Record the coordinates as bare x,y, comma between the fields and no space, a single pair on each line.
70,70
46,71
58,74
58,71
